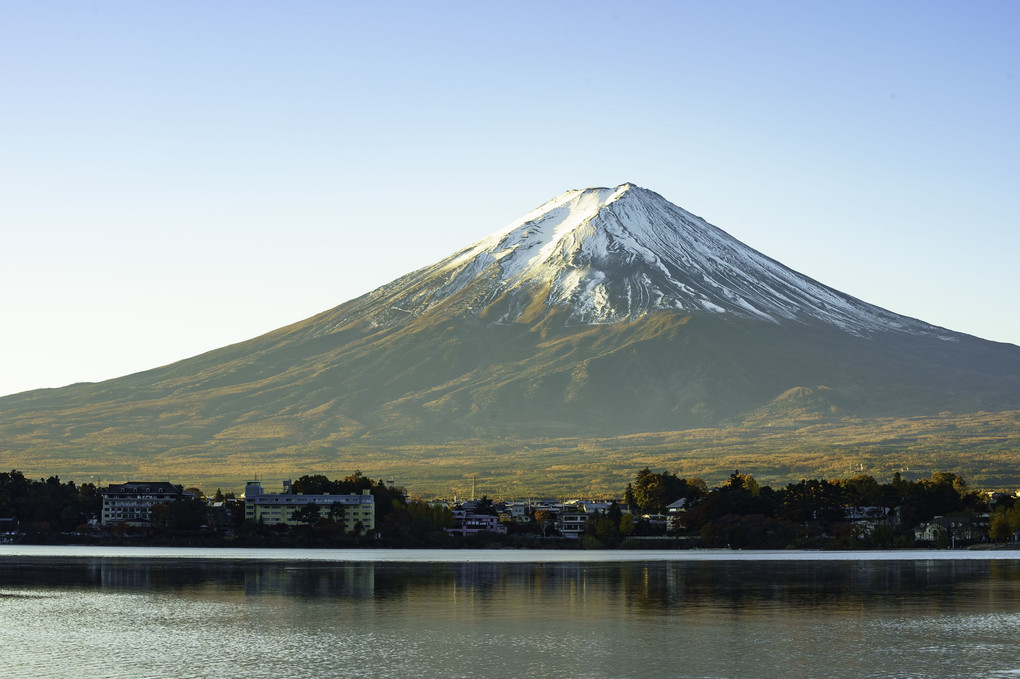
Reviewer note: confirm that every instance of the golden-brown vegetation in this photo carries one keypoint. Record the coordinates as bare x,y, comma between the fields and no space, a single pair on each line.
983,447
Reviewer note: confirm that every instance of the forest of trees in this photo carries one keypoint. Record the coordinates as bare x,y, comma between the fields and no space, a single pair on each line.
48,504
741,513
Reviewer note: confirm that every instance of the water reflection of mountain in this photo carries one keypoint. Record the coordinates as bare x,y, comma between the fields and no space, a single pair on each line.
595,588
225,578
347,581
800,584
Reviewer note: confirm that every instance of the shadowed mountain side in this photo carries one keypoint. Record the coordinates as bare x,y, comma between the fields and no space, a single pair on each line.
448,377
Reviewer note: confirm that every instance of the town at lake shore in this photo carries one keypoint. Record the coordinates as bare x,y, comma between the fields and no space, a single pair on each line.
658,510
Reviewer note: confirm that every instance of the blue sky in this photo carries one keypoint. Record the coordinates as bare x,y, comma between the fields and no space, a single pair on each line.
175,177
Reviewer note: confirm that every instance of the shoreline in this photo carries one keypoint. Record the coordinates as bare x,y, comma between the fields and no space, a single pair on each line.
10,553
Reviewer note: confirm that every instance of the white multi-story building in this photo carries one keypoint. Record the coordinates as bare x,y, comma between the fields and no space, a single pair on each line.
131,503
279,508
570,523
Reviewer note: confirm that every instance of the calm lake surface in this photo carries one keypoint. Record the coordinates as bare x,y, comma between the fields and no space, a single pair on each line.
108,612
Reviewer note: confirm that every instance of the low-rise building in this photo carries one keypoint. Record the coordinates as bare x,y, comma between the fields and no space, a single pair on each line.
518,512
469,523
592,506
355,511
131,503
957,529
657,522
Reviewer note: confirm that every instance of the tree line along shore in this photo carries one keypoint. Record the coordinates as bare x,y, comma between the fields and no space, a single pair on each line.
654,510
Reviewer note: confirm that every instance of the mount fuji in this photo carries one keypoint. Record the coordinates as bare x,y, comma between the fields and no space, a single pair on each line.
605,312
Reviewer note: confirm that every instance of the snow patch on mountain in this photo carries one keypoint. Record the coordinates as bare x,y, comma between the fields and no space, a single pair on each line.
606,255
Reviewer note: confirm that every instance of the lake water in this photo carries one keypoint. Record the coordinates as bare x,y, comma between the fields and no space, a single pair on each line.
107,612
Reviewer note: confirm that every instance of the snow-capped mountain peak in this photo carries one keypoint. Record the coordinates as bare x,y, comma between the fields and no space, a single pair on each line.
607,255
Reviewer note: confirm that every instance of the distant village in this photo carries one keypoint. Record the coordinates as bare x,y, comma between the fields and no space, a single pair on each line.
656,510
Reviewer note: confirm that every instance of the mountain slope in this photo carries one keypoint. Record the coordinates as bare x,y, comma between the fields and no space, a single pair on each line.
603,312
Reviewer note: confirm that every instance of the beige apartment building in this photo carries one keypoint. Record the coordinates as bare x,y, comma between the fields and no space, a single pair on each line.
357,511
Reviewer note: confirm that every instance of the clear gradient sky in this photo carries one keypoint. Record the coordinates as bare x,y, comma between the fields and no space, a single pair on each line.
178,176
